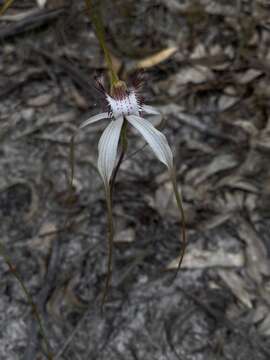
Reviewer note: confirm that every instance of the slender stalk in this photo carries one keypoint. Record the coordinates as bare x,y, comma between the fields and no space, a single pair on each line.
72,162
30,300
179,203
108,193
5,6
119,162
110,243
93,10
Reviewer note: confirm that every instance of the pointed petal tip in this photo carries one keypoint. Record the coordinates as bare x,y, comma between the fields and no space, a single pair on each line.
156,140
94,119
150,110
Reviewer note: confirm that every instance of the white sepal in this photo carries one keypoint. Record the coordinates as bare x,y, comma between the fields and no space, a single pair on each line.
107,148
153,112
94,119
156,140
150,110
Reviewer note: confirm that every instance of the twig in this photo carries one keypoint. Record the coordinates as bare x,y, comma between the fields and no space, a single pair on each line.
182,219
31,22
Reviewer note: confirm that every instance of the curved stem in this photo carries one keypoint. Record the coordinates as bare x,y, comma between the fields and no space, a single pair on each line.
179,203
119,162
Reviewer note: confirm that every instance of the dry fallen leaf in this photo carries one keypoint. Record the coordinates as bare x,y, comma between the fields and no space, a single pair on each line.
193,75
247,126
259,313
263,141
225,102
248,76
219,163
215,221
200,259
237,182
156,58
256,253
238,286
78,98
40,100
125,236
264,327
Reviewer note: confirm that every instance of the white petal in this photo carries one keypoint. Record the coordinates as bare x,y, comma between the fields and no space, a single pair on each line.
150,110
107,148
93,119
154,112
156,140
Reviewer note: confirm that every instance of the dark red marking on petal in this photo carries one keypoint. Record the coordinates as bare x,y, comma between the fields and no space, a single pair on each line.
137,79
99,85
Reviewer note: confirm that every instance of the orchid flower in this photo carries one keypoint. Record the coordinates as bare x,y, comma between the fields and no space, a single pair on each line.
125,104
125,107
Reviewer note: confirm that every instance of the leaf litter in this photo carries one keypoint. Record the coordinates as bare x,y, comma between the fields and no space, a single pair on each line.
208,74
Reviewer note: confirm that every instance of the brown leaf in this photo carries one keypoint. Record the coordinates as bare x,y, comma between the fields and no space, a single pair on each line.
157,58
238,286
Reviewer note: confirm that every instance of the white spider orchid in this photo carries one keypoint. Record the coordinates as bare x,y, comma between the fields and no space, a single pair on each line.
124,104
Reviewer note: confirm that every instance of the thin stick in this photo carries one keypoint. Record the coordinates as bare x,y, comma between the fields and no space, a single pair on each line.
182,219
15,273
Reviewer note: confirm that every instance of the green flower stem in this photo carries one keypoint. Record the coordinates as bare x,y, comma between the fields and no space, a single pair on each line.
93,10
110,243
15,273
179,203
5,6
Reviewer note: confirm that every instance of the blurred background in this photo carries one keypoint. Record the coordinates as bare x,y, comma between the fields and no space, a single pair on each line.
206,65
